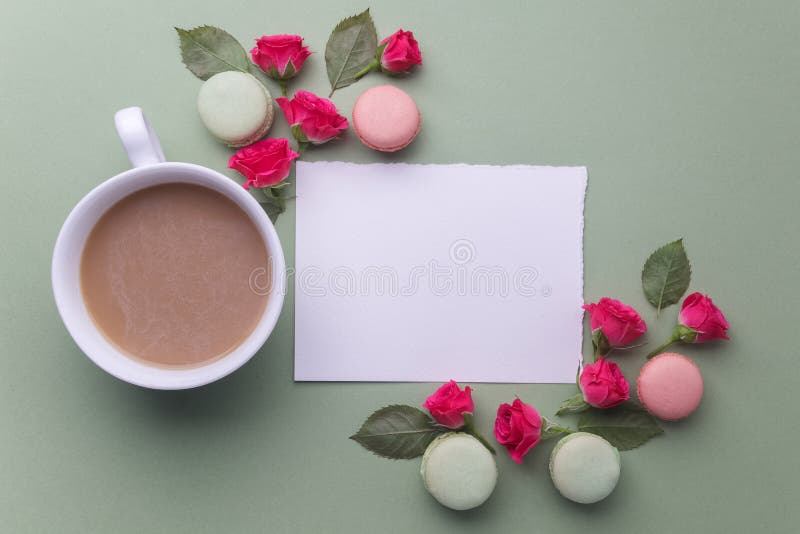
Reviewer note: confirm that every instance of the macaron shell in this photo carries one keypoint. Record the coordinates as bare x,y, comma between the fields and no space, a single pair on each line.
584,467
458,471
386,118
235,108
670,386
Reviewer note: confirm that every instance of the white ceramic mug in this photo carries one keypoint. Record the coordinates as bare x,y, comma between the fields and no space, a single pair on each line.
149,169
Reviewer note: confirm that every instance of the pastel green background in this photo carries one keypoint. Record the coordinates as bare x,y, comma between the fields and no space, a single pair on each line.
687,116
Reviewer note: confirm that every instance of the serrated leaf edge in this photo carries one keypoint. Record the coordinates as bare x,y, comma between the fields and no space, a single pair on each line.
660,306
435,429
187,33
340,26
657,431
572,406
654,432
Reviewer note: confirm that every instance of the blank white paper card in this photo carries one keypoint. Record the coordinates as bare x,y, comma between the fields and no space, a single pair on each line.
435,272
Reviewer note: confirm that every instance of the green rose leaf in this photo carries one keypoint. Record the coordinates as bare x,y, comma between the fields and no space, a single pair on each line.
469,428
207,51
625,427
632,405
666,275
574,404
273,202
258,74
398,432
551,430
350,49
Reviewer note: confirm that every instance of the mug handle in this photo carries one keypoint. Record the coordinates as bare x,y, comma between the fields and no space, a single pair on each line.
138,137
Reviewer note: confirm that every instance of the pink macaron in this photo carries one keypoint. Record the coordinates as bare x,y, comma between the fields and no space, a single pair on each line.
670,386
386,118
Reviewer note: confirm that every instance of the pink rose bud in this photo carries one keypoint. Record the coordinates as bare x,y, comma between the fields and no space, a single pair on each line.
449,404
701,319
603,384
312,119
399,52
280,56
264,163
518,428
618,323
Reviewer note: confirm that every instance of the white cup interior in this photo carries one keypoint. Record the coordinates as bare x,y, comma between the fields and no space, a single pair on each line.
67,287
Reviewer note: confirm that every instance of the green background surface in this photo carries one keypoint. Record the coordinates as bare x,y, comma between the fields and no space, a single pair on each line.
687,116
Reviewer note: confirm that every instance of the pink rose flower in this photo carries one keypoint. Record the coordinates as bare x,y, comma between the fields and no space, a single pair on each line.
264,163
603,384
518,428
699,321
449,404
280,56
312,118
619,323
705,320
400,52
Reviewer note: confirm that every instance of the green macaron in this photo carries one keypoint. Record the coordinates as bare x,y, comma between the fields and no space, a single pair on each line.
235,108
584,467
458,471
